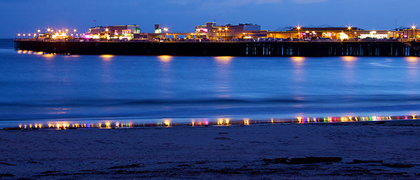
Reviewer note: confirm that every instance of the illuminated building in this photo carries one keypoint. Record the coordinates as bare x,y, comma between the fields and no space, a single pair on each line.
121,32
228,32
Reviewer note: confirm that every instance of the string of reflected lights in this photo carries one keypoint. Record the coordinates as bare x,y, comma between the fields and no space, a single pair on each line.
215,122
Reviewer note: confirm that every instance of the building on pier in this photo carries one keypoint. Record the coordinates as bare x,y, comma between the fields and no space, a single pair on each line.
121,32
212,31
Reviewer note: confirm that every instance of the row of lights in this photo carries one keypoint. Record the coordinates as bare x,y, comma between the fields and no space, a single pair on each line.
49,31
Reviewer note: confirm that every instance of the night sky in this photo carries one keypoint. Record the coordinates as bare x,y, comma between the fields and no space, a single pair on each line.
26,16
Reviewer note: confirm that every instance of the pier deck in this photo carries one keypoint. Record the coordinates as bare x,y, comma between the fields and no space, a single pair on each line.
309,49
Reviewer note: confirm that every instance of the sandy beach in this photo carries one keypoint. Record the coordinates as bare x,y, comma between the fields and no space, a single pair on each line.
389,150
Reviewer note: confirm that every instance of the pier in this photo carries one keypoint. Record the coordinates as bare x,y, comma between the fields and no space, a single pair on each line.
307,49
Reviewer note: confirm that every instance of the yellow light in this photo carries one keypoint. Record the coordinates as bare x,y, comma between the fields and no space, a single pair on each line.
108,125
224,59
226,28
165,29
106,29
246,122
67,30
167,122
39,31
165,58
413,27
48,55
412,60
298,59
106,57
74,30
40,126
349,28
220,29
349,58
220,121
298,28
48,29
20,126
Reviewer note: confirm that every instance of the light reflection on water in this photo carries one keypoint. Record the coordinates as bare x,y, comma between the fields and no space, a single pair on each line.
158,87
62,125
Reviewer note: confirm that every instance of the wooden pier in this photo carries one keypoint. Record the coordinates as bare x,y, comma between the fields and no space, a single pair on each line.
308,49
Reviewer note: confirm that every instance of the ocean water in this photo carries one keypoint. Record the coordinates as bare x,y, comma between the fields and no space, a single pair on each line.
43,88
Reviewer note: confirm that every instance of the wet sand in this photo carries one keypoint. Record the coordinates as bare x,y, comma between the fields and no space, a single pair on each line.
389,150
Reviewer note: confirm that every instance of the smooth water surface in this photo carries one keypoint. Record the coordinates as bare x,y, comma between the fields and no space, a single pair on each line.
41,87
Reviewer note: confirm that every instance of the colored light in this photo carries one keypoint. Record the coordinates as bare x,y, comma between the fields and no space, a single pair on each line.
165,58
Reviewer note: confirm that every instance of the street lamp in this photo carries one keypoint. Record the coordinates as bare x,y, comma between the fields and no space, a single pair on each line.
349,28
413,27
226,29
298,28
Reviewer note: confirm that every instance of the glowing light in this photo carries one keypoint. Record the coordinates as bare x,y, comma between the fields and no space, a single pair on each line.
298,60
167,122
412,60
48,55
106,57
165,29
349,58
165,58
20,126
413,27
224,59
343,36
220,121
19,51
246,122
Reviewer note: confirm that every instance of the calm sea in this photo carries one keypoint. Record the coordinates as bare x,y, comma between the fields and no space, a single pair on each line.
44,88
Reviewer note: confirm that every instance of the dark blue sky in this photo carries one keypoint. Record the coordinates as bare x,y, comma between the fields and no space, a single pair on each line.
25,16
